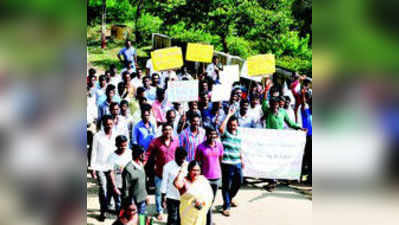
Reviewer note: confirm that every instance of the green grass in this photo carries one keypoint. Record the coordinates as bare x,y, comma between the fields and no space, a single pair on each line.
103,58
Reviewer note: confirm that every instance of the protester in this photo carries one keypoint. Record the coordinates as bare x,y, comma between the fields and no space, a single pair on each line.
117,162
150,91
103,146
195,194
192,136
128,215
213,70
161,151
160,107
134,181
144,131
306,112
170,195
210,154
232,162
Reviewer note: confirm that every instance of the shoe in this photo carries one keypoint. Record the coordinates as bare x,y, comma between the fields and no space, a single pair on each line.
102,217
160,217
226,212
234,204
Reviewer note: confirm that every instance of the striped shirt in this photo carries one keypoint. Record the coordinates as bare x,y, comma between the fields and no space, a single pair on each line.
190,142
232,148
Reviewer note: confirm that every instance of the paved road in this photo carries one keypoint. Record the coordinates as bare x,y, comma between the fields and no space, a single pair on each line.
284,206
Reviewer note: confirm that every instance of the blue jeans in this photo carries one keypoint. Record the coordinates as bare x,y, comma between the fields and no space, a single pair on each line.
231,183
158,198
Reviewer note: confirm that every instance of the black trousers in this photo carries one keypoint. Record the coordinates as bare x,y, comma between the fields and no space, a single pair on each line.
307,160
173,211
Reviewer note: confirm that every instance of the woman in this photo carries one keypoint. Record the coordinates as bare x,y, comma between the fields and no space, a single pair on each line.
128,216
195,195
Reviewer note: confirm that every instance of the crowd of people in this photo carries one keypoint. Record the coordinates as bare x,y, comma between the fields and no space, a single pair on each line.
138,140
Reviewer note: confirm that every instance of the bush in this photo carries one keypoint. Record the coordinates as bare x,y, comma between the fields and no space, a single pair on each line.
148,24
239,46
290,44
303,66
180,33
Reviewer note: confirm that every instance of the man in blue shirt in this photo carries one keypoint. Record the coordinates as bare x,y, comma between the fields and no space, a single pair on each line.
128,54
144,131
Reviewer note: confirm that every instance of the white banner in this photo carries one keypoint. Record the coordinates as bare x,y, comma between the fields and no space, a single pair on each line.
183,91
272,154
221,92
230,74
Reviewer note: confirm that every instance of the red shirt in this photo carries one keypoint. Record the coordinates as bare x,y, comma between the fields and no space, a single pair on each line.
161,154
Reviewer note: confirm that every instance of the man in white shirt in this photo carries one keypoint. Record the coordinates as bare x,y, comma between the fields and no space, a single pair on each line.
117,162
255,110
244,119
170,195
120,123
149,68
103,146
214,69
150,91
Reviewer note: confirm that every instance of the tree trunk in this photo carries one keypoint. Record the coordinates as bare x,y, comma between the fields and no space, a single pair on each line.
224,42
103,20
138,14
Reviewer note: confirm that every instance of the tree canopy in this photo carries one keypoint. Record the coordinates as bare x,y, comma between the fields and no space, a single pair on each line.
238,27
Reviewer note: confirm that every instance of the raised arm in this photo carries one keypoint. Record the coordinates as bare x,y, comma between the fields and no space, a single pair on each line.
222,127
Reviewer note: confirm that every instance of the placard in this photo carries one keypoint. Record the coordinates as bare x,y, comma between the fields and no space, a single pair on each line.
230,74
167,58
183,91
199,52
221,92
261,65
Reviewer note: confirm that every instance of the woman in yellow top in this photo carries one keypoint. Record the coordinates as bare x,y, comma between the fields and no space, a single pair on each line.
195,195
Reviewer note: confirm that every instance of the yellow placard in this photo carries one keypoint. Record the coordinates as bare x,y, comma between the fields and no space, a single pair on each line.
261,65
167,58
199,52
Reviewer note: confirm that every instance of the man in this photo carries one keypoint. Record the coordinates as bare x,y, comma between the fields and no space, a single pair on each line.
171,120
120,123
244,118
129,55
213,70
103,146
144,131
192,136
117,162
215,116
91,84
134,181
161,151
149,68
100,91
155,80
275,116
306,112
170,195
127,116
210,155
255,110
150,91
160,106
232,162
103,108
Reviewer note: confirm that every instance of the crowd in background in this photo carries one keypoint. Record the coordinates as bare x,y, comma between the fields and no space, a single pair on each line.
185,151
